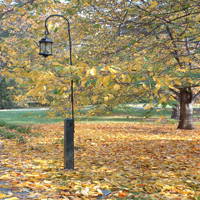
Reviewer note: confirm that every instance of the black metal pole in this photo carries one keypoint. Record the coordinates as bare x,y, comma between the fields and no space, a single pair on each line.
69,144
72,98
68,123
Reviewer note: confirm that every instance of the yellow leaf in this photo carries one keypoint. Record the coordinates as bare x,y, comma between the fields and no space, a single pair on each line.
4,177
158,120
93,71
4,186
158,86
2,7
144,85
106,98
112,70
186,59
148,106
106,81
10,88
2,195
94,98
153,4
160,183
123,77
85,191
177,82
35,91
12,198
56,64
19,80
163,99
18,98
198,18
83,83
113,76
116,87
128,78
84,65
134,182
110,96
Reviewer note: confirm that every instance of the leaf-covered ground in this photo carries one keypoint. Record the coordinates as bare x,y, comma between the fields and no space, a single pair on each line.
132,161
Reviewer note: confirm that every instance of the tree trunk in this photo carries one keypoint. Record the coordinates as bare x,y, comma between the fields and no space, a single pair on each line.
186,120
176,112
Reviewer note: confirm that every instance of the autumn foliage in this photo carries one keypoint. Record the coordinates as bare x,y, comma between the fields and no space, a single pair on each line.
122,52
133,161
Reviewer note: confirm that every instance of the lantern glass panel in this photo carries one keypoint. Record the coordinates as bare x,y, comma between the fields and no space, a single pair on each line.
48,48
42,47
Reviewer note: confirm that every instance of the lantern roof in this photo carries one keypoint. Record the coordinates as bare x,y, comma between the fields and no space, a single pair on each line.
46,40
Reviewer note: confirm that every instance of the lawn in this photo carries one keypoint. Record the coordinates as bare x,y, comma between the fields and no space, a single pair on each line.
26,117
119,114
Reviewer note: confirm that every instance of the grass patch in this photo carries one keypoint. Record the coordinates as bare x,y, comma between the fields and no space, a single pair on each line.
23,129
11,126
119,114
7,134
2,123
27,117
10,131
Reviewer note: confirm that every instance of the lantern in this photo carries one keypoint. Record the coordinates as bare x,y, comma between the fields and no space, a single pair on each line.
45,47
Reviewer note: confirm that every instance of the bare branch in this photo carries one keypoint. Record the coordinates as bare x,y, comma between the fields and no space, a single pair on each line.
175,92
195,97
175,47
13,10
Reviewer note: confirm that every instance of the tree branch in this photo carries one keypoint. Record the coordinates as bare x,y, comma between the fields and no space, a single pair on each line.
175,47
12,9
195,97
175,92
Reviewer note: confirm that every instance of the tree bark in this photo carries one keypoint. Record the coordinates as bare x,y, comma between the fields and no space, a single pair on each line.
186,120
176,112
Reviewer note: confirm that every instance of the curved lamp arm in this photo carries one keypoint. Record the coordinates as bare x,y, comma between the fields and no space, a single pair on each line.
70,51
70,44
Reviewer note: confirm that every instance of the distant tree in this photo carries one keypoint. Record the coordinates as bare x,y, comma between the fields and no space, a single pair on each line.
8,90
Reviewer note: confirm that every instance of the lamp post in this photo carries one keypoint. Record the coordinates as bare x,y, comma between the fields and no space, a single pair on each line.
46,50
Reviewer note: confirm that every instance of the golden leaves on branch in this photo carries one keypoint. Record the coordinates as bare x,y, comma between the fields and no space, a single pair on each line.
153,4
35,91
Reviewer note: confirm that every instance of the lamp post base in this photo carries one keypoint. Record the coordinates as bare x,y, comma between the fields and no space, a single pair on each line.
69,144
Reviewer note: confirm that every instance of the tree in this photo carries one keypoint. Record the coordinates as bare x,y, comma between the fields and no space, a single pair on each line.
8,90
121,49
154,43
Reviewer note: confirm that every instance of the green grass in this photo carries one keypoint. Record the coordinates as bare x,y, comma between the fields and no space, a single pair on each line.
6,134
26,117
119,114
10,131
